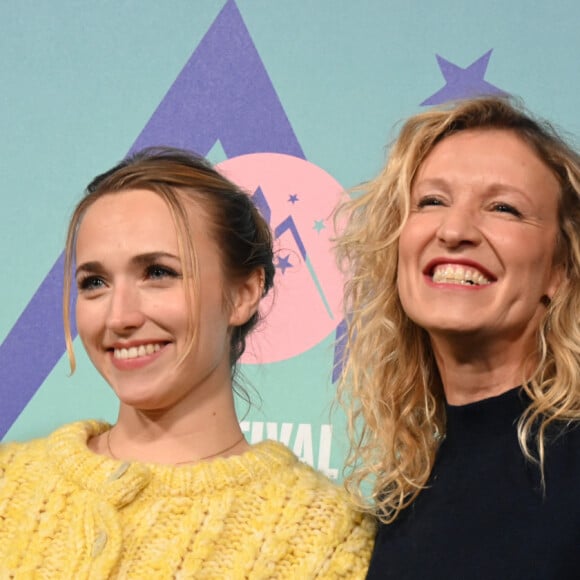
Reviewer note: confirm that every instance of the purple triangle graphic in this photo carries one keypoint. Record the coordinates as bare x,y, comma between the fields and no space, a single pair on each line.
223,92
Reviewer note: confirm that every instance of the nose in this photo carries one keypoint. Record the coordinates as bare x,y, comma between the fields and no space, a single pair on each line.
459,227
124,309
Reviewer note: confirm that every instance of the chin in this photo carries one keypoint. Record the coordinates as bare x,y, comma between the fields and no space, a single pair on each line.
146,406
451,327
142,399
456,332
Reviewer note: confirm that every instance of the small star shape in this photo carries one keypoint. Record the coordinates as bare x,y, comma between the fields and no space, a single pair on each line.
284,263
293,199
319,225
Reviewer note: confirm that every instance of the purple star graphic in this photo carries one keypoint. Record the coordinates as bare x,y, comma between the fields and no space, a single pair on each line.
461,83
284,263
293,199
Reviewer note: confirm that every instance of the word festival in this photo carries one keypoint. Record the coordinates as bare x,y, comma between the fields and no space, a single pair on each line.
302,440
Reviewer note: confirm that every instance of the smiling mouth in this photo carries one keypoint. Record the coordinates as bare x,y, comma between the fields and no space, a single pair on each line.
137,351
456,274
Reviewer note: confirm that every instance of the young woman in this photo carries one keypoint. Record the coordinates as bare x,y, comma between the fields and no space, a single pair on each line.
464,347
170,261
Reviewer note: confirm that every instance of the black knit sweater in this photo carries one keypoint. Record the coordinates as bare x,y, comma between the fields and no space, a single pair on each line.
484,514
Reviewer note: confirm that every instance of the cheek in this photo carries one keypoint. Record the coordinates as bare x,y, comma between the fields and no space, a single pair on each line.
417,232
404,282
170,305
402,251
531,255
405,293
89,330
86,317
214,319
528,260
407,255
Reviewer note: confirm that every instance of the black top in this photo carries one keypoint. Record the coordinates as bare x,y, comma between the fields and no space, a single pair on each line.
484,514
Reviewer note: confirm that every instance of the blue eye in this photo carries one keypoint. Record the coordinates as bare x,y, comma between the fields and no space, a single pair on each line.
502,207
90,283
157,272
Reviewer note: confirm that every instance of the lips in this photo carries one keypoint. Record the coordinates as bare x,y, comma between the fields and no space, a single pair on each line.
135,355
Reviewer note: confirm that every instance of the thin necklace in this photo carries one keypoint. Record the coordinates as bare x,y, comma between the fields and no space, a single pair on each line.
179,462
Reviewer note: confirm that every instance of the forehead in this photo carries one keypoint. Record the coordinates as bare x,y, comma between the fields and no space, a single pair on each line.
138,221
133,216
489,158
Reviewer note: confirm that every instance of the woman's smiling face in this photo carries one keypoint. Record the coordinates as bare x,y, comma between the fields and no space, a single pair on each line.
132,308
476,254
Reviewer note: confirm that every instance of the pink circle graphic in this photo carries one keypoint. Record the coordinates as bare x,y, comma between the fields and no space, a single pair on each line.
297,199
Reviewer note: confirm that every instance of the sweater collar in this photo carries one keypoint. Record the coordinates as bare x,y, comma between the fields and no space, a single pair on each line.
120,482
494,415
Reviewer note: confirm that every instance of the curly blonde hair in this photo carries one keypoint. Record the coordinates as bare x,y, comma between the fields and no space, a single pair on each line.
390,385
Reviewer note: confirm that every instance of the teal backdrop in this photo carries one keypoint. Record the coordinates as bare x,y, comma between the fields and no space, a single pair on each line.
313,89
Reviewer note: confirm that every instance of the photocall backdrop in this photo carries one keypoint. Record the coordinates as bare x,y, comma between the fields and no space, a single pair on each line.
295,100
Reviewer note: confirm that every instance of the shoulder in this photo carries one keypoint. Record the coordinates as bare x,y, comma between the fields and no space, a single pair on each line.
563,438
24,466
562,463
297,479
17,451
319,514
15,454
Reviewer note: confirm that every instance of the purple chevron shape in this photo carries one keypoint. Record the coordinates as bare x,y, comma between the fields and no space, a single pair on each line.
340,350
223,92
262,204
290,225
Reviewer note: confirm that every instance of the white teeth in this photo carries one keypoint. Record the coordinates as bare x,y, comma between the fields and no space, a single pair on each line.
455,274
136,351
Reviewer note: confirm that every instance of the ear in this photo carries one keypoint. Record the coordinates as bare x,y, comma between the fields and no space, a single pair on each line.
557,278
246,296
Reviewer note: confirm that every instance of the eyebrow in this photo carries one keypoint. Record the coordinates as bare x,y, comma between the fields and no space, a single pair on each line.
432,182
139,260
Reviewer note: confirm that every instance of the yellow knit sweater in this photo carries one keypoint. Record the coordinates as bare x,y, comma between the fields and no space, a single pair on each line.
66,512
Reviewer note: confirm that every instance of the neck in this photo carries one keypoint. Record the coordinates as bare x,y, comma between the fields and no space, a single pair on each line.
472,370
176,435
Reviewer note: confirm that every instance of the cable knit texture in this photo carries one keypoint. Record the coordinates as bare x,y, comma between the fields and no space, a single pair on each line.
66,512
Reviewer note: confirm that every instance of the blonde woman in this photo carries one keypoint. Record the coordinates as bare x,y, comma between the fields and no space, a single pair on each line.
462,381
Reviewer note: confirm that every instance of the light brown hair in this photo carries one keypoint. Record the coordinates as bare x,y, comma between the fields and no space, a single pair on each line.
242,236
